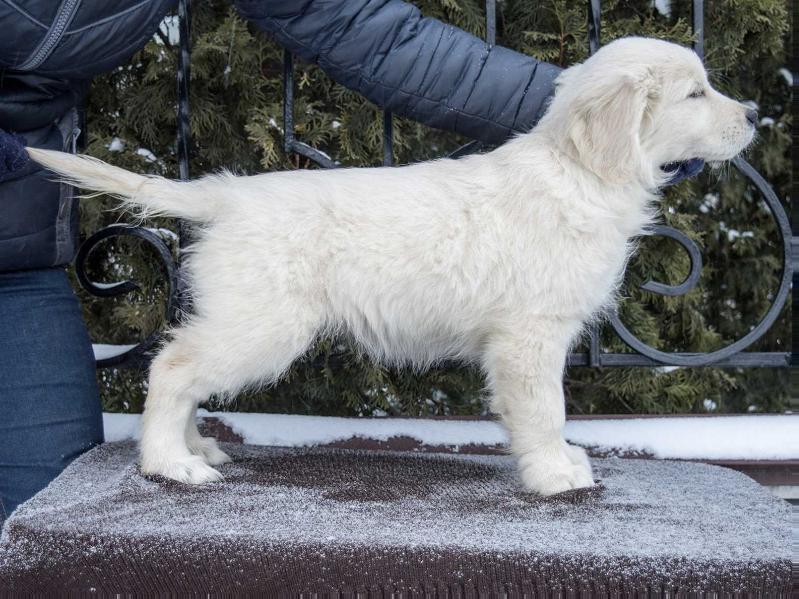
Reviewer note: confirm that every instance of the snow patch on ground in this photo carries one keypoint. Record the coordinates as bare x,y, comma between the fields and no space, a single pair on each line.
116,145
164,233
709,202
711,438
119,427
663,7
105,285
170,28
104,351
761,437
146,154
299,431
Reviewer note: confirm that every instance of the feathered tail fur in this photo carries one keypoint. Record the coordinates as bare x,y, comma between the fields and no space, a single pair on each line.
148,194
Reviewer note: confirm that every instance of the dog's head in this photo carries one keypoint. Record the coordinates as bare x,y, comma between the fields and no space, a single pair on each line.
638,104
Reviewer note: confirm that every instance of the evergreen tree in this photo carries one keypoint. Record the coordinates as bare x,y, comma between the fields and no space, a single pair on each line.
236,120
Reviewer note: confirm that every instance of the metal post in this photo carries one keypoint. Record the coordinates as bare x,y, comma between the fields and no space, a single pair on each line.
388,138
491,22
183,76
698,26
594,32
288,101
184,132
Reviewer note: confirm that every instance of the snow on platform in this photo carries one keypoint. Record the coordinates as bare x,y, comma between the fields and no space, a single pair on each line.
754,437
104,351
287,521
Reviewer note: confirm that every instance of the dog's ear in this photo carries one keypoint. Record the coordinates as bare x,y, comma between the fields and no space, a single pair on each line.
604,120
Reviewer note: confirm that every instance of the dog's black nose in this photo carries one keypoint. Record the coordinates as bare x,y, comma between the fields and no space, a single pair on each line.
751,116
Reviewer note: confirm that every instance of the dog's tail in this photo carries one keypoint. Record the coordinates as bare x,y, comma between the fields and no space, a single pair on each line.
150,195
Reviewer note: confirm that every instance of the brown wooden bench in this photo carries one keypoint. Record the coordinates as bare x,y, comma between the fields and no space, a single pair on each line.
331,521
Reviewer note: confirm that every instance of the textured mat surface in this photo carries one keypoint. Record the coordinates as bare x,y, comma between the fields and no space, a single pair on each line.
289,521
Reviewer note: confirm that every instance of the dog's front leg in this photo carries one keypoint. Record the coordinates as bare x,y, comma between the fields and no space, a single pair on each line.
525,374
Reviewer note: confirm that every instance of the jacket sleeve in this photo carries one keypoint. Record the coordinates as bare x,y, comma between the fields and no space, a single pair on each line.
415,66
75,39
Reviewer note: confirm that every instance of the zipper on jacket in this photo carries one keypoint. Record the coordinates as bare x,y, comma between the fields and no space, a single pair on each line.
62,20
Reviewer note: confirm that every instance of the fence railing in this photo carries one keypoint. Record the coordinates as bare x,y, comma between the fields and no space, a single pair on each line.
732,355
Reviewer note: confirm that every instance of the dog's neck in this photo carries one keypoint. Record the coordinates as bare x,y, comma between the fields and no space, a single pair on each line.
586,199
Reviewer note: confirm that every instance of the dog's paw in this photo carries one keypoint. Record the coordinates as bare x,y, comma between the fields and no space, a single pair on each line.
191,470
555,471
206,448
552,481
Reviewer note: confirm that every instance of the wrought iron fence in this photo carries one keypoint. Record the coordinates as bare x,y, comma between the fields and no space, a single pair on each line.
732,355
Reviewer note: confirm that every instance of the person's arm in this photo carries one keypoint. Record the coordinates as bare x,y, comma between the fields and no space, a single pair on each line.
414,66
419,67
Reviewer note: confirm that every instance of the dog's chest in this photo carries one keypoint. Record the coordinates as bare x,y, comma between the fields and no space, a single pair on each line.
602,272
575,275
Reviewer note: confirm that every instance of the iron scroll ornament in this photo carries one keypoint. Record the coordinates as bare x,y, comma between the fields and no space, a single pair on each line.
120,288
704,359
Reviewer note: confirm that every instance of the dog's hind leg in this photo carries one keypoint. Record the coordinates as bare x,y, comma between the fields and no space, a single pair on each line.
202,359
525,373
179,380
176,385
205,447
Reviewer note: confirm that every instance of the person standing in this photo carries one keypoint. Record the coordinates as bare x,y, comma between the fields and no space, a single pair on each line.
49,402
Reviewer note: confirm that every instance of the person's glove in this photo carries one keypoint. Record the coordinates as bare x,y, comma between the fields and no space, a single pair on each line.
13,156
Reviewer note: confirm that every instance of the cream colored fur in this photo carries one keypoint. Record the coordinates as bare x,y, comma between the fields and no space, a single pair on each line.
497,259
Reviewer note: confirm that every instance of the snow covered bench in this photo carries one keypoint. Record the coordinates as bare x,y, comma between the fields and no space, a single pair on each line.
763,446
294,520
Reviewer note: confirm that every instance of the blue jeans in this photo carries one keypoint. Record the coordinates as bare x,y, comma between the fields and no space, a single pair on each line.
50,409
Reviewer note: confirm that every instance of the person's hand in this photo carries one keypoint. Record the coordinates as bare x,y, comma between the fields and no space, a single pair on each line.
13,156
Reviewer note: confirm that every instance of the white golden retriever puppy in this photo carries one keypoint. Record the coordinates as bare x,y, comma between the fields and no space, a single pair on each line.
497,259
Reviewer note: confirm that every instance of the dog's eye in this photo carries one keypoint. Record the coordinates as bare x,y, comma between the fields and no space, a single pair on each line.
699,93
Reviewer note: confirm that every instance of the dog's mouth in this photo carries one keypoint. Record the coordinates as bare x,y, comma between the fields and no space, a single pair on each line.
685,169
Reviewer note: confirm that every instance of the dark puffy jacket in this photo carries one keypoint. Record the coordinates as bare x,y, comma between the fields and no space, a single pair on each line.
414,66
48,53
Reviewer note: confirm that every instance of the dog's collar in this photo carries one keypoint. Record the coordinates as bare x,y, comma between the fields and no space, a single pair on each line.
679,171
